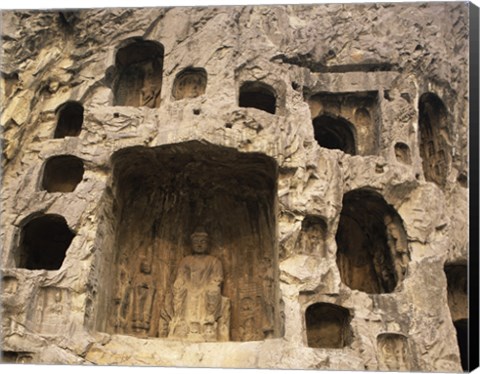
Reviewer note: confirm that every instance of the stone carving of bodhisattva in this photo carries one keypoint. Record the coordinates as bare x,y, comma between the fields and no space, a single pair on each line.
200,312
144,293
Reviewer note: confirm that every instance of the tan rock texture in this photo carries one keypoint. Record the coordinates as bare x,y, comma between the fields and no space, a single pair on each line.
323,148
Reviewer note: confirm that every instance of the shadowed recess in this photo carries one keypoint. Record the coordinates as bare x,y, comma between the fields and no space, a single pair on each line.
435,144
44,241
334,133
69,119
372,247
62,173
160,196
328,326
457,283
257,95
402,153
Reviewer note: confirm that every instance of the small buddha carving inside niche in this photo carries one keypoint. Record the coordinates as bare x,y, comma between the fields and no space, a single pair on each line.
199,311
144,293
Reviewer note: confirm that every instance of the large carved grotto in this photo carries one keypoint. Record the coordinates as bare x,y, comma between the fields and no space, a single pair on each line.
373,251
160,197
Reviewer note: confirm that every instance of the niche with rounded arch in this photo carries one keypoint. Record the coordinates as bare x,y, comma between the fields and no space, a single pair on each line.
402,153
328,326
334,133
69,119
434,134
189,83
138,74
394,352
160,197
258,95
44,240
457,281
62,173
372,246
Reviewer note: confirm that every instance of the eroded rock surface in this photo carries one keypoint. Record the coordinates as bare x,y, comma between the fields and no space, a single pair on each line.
323,148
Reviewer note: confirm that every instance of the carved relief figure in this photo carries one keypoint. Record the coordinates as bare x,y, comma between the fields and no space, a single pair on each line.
143,295
189,84
394,353
397,242
121,300
200,312
151,87
50,310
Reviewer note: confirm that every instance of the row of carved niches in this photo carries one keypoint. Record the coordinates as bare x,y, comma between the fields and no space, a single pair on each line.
435,138
43,242
372,246
346,121
160,286
137,77
458,305
62,173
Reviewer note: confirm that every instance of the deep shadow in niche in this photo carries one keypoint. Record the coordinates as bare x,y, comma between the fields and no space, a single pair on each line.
457,276
462,339
44,241
334,133
257,95
372,247
160,196
402,153
328,326
138,74
69,119
435,148
62,173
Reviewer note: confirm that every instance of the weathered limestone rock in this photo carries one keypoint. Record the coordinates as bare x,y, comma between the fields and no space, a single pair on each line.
322,149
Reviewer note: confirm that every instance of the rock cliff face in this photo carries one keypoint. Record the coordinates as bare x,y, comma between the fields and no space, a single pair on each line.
323,149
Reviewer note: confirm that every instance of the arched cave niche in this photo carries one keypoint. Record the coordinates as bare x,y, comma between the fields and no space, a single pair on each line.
402,153
160,196
457,276
372,247
394,352
44,240
189,83
334,133
139,70
258,95
328,326
435,147
311,239
69,119
62,173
